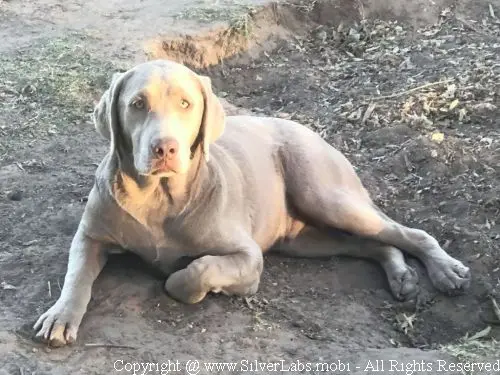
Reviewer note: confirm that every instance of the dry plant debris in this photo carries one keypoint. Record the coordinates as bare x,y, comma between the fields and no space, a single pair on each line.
417,112
49,87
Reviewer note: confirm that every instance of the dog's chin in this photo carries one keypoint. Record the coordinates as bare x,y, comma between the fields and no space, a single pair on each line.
163,173
160,170
157,172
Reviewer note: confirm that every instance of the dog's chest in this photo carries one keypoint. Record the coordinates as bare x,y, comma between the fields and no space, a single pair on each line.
158,242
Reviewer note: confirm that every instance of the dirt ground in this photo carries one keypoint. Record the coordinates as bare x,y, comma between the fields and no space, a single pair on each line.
409,91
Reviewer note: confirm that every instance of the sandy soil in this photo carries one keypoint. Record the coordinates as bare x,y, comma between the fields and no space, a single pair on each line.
414,104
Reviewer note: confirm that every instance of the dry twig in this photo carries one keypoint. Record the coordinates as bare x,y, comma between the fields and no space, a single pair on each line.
496,309
406,92
103,345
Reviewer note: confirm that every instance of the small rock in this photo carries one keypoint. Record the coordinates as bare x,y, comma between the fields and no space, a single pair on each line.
437,137
28,90
284,115
15,195
6,286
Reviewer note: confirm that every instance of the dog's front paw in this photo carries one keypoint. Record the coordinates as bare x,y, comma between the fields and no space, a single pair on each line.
449,275
58,326
184,286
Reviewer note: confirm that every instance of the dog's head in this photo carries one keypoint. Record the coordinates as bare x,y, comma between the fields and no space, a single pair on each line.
157,113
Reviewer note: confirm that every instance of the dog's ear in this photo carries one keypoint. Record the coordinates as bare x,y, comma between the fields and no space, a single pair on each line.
105,114
214,119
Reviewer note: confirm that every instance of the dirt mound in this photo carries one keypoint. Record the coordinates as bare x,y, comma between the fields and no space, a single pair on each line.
256,32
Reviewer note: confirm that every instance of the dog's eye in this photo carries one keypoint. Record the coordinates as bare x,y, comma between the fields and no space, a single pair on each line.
138,103
184,103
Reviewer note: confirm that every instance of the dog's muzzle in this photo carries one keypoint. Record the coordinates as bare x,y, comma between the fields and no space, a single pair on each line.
165,153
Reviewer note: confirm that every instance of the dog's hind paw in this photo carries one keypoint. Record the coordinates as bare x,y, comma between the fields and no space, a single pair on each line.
404,284
450,276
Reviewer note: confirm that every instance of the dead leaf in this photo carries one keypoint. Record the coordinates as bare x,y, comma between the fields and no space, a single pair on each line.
249,303
461,114
450,91
492,11
496,309
354,116
368,112
481,334
484,107
406,322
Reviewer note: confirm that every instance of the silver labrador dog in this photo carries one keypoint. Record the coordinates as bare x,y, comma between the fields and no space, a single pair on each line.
183,180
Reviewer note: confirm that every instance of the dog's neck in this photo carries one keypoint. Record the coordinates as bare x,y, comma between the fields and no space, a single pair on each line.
183,189
149,197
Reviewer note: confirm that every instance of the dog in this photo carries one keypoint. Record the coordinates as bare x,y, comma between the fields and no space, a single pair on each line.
183,180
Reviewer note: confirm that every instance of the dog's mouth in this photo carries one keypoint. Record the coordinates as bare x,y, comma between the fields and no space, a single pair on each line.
163,166
160,168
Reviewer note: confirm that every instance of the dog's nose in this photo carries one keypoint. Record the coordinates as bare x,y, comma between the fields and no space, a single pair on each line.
165,148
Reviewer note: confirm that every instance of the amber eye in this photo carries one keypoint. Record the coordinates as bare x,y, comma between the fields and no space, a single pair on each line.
184,103
138,103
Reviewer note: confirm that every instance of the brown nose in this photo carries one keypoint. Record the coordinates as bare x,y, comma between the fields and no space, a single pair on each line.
165,148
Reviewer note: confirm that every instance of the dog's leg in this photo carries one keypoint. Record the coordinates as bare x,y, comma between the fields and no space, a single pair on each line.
59,325
358,215
238,272
312,242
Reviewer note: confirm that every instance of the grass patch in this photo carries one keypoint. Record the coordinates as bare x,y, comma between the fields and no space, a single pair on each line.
218,11
48,86
476,348
242,24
